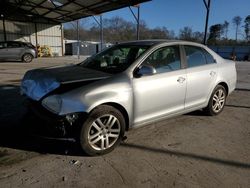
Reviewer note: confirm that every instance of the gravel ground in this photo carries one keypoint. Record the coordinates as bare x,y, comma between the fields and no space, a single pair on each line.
191,150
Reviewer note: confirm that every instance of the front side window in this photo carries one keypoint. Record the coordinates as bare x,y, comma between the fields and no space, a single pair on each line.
115,59
195,56
165,59
14,45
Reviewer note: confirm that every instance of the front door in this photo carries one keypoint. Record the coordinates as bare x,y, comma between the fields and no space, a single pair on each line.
14,50
162,93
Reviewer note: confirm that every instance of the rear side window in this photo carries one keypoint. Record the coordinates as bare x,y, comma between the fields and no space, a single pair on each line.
209,57
195,56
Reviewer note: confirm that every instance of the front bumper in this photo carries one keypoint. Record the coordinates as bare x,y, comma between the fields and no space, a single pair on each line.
43,123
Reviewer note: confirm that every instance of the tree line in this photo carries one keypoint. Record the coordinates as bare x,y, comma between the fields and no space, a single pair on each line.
218,33
117,29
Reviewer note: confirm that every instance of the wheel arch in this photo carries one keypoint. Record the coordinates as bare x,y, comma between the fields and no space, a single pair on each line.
25,53
225,85
121,109
222,83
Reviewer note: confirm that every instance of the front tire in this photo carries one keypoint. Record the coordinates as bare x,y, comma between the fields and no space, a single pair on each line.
102,131
27,58
217,101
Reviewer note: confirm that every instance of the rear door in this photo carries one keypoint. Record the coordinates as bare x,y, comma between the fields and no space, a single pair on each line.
201,75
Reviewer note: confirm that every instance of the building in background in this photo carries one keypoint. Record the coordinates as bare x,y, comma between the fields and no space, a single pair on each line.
40,21
39,34
87,48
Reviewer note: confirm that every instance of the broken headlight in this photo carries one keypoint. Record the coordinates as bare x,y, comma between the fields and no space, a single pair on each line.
53,103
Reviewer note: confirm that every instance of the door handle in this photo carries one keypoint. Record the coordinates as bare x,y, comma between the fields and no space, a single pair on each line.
181,79
212,73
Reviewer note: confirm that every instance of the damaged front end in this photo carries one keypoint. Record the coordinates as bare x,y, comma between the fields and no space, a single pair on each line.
41,122
40,82
35,85
43,88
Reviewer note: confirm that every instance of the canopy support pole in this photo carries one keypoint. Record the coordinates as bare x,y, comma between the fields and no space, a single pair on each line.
137,19
78,39
207,5
101,30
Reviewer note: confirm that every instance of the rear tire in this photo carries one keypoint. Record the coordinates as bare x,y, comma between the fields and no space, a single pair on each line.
27,58
217,101
102,131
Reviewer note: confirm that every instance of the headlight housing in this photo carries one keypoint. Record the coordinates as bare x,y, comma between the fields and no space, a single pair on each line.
53,103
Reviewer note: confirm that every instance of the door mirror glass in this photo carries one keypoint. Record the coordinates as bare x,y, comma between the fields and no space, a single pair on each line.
145,70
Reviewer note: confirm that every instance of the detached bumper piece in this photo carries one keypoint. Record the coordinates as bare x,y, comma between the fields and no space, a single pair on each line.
39,121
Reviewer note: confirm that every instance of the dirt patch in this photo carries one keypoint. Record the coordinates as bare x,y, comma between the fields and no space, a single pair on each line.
8,157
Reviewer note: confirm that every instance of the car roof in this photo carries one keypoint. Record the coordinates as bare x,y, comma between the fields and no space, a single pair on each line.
145,42
158,41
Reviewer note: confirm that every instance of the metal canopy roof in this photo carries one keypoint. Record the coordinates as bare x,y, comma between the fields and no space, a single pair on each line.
59,11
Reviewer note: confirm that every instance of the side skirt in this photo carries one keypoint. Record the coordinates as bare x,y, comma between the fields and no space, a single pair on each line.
185,111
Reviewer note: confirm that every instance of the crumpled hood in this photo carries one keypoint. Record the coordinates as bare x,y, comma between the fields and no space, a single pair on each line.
39,82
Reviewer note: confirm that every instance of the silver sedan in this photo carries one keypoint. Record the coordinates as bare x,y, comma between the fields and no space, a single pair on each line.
128,85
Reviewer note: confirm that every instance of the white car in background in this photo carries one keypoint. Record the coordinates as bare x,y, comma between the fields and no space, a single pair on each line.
128,85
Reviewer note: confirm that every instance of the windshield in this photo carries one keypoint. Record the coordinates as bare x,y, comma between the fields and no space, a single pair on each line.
115,59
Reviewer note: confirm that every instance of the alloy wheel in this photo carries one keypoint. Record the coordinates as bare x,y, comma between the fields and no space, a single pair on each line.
218,100
104,132
27,58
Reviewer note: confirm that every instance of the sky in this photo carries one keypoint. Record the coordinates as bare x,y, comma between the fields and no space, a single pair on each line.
176,14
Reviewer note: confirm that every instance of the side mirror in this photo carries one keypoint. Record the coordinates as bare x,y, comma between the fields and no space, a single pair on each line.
145,70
